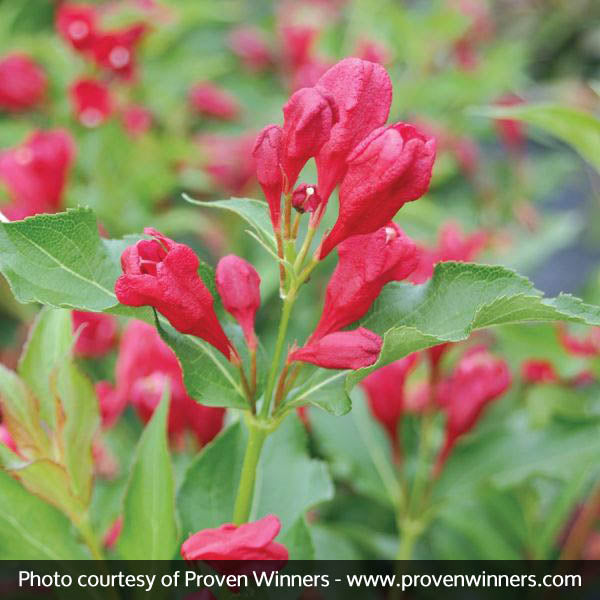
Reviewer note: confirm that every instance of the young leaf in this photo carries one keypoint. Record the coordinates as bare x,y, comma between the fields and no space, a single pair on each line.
149,526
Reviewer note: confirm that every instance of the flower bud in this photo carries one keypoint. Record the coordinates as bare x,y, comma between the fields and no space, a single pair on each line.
76,23
22,83
164,274
212,101
366,263
238,285
97,333
91,101
267,154
249,45
6,439
136,119
511,131
538,371
341,350
111,403
307,122
306,198
390,167
223,546
361,93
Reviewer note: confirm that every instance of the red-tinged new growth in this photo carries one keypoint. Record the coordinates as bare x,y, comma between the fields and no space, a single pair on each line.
92,102
164,274
390,167
22,83
238,285
539,371
341,350
478,379
252,541
366,263
210,100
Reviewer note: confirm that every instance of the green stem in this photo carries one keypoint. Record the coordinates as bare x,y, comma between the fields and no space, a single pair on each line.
410,533
245,493
90,540
305,247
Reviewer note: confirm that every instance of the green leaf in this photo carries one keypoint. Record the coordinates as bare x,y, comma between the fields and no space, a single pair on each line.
59,260
298,541
30,529
459,299
325,390
48,346
149,526
575,127
254,212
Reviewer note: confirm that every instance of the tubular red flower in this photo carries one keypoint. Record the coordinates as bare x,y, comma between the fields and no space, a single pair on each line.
97,333
76,23
91,101
341,350
390,167
538,371
478,379
386,395
361,92
112,403
115,50
306,198
212,101
22,83
238,285
164,274
267,154
35,173
223,546
366,263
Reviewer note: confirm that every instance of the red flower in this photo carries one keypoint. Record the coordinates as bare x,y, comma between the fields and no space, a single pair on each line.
478,379
137,119
511,131
306,198
249,542
22,83
267,154
538,371
366,263
390,167
297,41
76,23
112,535
372,51
385,393
249,44
35,173
238,285
587,346
212,101
145,364
91,101
6,439
164,274
97,333
115,50
341,350
362,94
111,402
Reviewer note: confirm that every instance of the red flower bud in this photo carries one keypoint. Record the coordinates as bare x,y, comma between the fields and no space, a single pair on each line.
511,131
306,198
366,263
373,51
341,350
238,284
114,50
35,173
112,535
212,101
390,167
297,41
6,439
22,83
76,23
478,379
91,101
267,154
587,346
249,45
164,274
97,333
385,393
137,119
538,371
307,122
223,546
111,402
361,92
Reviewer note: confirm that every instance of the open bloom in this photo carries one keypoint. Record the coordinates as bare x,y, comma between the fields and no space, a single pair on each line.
238,285
97,333
35,173
306,198
22,83
341,350
115,50
478,379
164,274
91,101
366,263
224,546
76,23
390,167
210,100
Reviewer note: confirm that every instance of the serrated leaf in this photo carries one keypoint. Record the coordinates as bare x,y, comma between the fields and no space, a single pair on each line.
149,526
575,127
459,299
30,529
59,260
